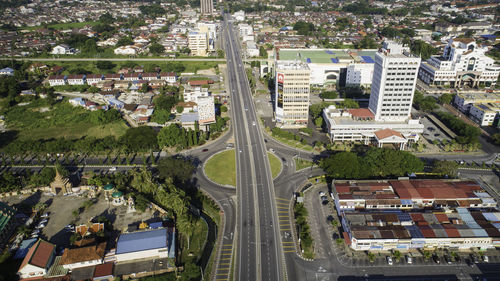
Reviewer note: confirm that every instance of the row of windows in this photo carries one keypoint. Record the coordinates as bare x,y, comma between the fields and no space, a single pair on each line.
394,109
393,114
400,73
399,84
400,79
402,68
398,89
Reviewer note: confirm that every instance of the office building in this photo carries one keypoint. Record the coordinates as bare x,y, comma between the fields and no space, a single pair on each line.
207,7
463,64
198,43
482,108
393,86
292,94
416,214
206,110
387,120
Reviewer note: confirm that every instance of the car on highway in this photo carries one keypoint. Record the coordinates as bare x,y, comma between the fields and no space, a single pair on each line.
246,108
253,123
389,261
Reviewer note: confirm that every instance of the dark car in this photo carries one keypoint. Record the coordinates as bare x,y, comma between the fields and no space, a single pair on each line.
436,259
447,259
437,135
205,150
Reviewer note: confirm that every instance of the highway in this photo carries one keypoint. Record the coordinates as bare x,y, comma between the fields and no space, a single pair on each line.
259,254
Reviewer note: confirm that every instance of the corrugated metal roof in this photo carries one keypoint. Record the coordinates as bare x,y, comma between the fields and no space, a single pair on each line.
414,231
141,241
479,232
495,217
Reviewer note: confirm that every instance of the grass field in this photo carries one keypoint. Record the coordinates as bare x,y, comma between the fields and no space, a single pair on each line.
62,26
221,168
302,164
39,120
275,164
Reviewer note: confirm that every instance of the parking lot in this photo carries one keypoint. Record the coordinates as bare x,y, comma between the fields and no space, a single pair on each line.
433,132
61,211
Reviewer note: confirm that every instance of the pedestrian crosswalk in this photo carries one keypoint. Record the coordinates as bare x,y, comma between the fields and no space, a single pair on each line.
223,271
283,210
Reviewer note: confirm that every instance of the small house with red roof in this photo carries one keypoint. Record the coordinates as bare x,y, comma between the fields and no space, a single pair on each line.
38,260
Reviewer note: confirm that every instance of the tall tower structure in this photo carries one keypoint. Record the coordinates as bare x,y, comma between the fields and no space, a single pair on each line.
292,93
207,7
394,80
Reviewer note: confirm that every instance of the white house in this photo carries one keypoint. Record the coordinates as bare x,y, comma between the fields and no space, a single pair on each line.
170,77
63,49
76,79
158,243
38,260
126,50
56,80
7,71
193,93
83,257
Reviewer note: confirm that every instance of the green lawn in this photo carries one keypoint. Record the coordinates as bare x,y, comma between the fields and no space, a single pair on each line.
39,120
221,168
302,164
275,164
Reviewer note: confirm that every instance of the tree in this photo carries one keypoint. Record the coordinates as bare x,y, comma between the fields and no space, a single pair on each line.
318,121
140,138
262,52
104,65
160,116
170,135
44,178
106,18
304,28
446,168
144,88
156,49
164,102
424,103
178,169
179,109
342,165
329,95
124,41
445,98
496,138
223,108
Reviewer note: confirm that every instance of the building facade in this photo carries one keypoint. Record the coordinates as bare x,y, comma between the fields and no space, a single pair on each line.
206,110
198,43
482,108
292,94
207,7
393,86
462,64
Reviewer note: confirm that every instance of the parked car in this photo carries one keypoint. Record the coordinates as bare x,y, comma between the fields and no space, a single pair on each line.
271,150
409,260
474,258
324,198
205,150
322,193
46,215
447,259
40,225
486,259
436,259
112,169
389,261
44,221
458,258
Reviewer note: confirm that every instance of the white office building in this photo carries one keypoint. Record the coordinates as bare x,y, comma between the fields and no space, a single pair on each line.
198,43
207,7
193,93
359,74
393,85
387,119
292,94
463,63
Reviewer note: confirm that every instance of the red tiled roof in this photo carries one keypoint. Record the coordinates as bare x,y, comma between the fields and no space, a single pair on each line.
385,133
346,238
102,270
451,231
361,113
342,189
442,218
427,231
39,254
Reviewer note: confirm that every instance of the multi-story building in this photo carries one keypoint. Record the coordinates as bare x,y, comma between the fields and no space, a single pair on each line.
463,63
206,110
387,120
193,93
393,86
292,94
207,7
198,43
359,75
210,28
482,108
416,214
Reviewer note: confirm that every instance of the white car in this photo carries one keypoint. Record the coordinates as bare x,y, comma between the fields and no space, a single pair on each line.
40,225
46,215
322,193
486,259
112,169
253,123
389,261
409,260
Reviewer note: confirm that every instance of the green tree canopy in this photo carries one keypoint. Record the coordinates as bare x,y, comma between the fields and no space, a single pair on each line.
156,49
140,138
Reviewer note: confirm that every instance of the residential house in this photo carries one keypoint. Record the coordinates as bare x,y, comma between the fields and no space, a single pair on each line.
113,102
93,79
149,76
131,76
127,50
113,77
28,93
186,107
156,84
83,257
76,79
193,93
56,80
63,49
7,71
37,261
170,77
103,272
89,228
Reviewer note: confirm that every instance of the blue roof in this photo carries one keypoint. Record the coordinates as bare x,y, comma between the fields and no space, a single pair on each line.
414,231
155,225
406,202
23,249
367,59
308,60
404,217
335,60
189,117
141,241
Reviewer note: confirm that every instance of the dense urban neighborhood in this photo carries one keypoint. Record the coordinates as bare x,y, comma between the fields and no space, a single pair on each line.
249,140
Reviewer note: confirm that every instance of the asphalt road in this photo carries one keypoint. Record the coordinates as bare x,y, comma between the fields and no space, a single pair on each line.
259,255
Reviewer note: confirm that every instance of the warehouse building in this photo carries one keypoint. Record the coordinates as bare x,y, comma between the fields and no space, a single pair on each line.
150,244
